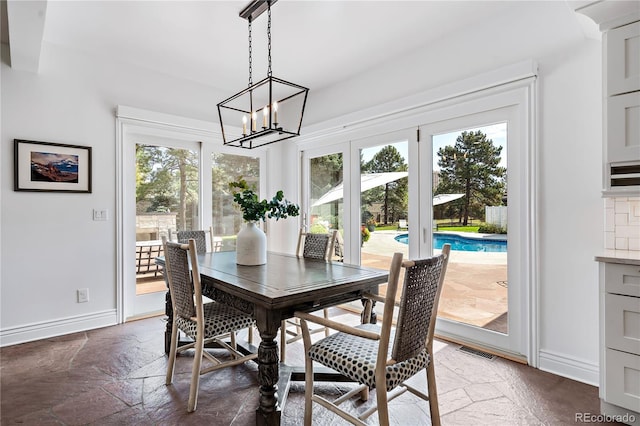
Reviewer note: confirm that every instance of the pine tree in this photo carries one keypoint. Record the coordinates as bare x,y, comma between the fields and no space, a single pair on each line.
471,167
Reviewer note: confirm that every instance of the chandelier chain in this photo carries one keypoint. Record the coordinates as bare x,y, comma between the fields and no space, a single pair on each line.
250,59
269,73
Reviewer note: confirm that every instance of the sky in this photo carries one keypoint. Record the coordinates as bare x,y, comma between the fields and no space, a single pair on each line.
495,132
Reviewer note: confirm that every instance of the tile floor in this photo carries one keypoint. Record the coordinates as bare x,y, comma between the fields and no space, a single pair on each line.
115,376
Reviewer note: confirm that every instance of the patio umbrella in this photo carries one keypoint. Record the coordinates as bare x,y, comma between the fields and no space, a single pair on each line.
445,198
371,180
367,181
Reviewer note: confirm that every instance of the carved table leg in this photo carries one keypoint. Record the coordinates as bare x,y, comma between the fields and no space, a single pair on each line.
374,316
268,412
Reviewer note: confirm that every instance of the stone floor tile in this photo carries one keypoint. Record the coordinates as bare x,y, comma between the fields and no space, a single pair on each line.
482,391
88,407
41,418
116,376
494,412
129,416
128,391
452,401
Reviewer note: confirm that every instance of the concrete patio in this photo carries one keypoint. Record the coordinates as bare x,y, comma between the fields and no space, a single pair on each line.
475,290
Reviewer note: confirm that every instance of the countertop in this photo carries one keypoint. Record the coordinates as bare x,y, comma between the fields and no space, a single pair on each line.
627,257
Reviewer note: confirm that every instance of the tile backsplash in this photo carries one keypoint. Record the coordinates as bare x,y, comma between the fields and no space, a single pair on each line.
622,223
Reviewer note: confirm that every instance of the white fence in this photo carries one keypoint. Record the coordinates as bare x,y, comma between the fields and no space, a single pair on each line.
496,215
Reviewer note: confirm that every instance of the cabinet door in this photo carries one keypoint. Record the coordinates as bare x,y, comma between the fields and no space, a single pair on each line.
623,59
622,383
622,323
623,128
622,279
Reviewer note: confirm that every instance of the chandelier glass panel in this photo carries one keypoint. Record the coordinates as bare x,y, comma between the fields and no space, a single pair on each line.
268,111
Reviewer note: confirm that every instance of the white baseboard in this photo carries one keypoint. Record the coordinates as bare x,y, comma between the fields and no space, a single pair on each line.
569,367
46,329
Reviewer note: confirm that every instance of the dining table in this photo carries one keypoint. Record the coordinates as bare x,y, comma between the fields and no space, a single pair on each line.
272,293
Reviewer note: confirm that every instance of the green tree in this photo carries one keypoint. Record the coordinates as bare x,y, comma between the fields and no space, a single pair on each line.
393,195
167,180
326,172
227,168
471,167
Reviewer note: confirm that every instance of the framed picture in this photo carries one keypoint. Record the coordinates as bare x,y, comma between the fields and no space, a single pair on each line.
46,166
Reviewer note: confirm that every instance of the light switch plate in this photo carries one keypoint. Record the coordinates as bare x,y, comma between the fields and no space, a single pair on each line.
99,215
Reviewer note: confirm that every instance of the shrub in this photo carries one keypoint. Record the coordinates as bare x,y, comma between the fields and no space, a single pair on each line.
318,228
365,234
490,228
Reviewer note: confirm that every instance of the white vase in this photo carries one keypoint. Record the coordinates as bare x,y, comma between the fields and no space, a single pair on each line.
251,246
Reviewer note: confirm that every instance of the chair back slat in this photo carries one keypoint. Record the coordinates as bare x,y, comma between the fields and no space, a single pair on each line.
339,247
317,246
418,305
199,236
179,277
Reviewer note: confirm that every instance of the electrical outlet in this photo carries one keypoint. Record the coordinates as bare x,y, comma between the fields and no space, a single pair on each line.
83,295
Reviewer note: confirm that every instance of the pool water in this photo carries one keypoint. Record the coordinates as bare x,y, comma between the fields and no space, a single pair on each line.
461,243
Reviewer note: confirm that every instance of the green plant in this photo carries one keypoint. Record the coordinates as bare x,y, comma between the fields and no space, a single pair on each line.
254,210
318,228
365,234
490,228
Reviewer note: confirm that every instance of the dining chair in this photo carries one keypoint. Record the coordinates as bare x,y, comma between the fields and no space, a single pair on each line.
338,255
199,236
203,322
310,246
201,244
375,356
201,239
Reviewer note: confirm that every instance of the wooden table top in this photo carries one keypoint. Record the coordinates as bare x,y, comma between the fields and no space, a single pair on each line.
286,280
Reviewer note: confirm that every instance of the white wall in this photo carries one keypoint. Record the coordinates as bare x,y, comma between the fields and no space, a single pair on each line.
570,209
50,246
283,171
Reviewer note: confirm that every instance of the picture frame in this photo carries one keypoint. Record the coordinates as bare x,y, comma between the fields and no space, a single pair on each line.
51,167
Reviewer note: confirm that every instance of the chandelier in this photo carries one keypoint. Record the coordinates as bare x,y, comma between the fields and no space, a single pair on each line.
268,111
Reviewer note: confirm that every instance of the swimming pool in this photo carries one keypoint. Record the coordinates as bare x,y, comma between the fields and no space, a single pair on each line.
461,243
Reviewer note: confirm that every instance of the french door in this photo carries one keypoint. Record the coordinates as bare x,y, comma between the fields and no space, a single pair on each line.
473,173
166,175
323,197
475,162
463,177
173,174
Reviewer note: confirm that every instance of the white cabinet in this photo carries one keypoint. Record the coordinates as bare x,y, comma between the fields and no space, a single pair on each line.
622,55
619,22
623,59
623,127
623,379
620,337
